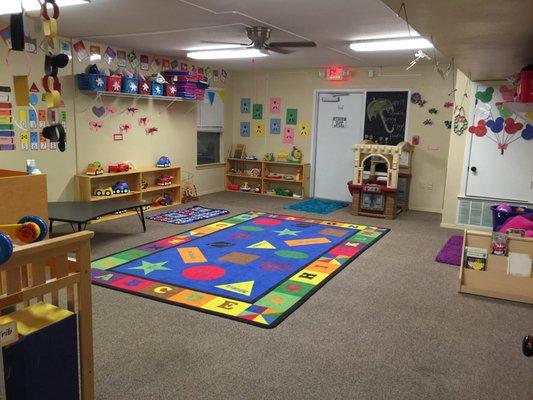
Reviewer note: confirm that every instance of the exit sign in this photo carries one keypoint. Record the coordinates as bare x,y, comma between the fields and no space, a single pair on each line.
337,74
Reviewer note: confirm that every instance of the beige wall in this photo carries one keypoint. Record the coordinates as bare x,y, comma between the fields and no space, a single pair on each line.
176,136
297,88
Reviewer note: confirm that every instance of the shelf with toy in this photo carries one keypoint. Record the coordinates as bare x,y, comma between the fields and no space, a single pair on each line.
244,176
114,196
493,278
137,96
156,188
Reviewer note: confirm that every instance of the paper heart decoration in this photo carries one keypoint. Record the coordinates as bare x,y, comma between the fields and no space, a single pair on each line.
495,126
503,111
110,111
486,95
479,130
98,111
507,92
95,126
511,127
124,128
527,133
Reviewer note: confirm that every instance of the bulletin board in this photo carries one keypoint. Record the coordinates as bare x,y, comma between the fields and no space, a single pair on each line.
386,116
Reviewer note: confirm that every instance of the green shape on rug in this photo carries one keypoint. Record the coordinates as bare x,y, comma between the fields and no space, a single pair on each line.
291,254
108,263
250,228
148,267
132,254
286,231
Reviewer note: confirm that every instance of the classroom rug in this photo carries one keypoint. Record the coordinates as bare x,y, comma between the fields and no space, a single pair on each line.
317,206
255,267
452,251
187,215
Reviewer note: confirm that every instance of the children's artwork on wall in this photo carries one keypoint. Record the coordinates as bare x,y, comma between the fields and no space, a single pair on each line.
121,58
288,135
275,126
165,63
98,111
34,141
117,137
275,105
95,126
43,143
527,133
132,58
416,98
428,121
143,121
223,75
385,116
486,95
245,129
124,128
95,53
304,129
110,111
292,116
433,110
41,115
259,128
415,140
448,124
448,104
144,62
24,141
245,105
131,110
257,111
504,113
109,55
81,52
151,131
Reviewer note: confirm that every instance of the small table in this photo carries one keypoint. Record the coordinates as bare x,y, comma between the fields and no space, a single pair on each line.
81,212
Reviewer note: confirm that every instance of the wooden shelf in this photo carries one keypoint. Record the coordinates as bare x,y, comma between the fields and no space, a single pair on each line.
114,196
88,183
157,188
137,96
282,168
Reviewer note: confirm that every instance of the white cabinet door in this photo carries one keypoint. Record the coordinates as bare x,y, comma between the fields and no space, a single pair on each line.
492,173
339,127
211,113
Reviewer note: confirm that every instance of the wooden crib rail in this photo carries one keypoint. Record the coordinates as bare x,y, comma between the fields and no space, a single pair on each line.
55,271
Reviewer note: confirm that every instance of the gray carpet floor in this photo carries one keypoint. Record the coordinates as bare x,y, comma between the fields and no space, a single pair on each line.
390,326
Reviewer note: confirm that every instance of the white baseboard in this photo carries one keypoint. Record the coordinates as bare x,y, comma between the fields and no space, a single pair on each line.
209,191
431,210
451,226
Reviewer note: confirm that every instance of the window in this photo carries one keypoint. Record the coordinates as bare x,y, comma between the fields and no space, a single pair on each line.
208,149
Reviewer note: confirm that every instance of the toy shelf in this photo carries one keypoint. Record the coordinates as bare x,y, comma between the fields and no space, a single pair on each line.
268,185
87,184
136,96
523,110
494,280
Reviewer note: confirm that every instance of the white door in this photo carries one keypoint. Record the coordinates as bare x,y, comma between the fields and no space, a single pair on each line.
491,173
339,127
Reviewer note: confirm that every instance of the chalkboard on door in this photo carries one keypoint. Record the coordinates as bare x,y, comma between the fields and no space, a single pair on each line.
386,116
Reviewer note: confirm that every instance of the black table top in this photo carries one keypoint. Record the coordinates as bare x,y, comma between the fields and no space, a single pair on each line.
84,211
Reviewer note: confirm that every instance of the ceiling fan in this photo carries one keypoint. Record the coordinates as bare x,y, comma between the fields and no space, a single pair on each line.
260,36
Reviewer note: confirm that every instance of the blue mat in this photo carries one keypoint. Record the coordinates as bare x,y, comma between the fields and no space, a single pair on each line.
317,206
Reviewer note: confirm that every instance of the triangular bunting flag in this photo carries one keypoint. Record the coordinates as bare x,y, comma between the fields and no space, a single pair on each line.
211,97
261,245
238,287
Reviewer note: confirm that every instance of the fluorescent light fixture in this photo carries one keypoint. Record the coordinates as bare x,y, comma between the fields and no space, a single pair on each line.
415,43
215,47
13,6
226,54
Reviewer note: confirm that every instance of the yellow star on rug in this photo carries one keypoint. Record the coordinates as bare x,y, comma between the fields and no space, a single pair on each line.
148,267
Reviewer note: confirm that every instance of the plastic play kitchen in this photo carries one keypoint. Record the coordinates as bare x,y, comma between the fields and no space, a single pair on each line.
382,176
29,229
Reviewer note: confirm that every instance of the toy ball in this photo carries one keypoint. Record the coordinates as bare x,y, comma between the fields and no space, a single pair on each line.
504,208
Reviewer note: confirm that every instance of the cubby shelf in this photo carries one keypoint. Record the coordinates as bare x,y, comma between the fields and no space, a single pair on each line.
137,96
300,186
88,183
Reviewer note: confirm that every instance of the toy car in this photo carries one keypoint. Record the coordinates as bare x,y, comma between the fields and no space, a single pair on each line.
164,180
121,187
103,191
119,167
94,168
164,200
163,162
144,184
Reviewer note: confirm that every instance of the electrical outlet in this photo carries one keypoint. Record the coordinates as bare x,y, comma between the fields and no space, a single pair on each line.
430,186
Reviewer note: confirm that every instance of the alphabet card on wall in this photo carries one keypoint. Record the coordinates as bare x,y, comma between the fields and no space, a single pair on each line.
304,129
275,105
245,105
292,116
245,129
275,126
288,135
257,111
259,128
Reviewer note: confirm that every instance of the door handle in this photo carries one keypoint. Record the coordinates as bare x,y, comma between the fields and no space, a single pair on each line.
473,169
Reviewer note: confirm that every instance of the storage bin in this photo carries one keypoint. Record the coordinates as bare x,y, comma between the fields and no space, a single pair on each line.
92,82
114,83
170,89
499,217
157,89
130,85
145,87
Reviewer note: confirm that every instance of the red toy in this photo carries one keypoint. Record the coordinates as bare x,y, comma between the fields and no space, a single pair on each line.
119,167
164,180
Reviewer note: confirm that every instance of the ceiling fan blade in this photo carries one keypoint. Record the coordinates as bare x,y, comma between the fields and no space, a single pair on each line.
217,42
292,44
276,49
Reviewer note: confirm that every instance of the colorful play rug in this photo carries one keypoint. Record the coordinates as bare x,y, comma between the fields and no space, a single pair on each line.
317,206
187,215
254,267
